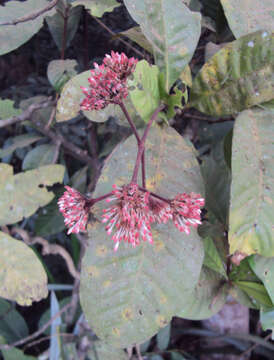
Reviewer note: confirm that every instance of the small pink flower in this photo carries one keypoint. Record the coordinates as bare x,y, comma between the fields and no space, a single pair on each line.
120,64
159,210
186,212
129,216
107,84
75,209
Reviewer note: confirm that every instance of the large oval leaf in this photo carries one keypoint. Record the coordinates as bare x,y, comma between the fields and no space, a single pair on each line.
12,36
127,296
173,31
97,7
249,16
237,77
252,189
22,276
22,194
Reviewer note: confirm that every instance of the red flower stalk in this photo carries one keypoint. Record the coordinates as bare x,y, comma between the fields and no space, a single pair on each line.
75,209
185,211
129,216
107,84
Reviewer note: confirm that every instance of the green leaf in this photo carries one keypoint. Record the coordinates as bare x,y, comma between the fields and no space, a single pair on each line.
9,317
212,258
104,351
264,269
173,31
177,356
242,297
12,36
249,16
18,142
208,297
23,278
145,86
267,320
252,188
15,354
39,156
71,96
56,24
7,108
135,34
256,291
237,77
22,194
60,71
129,295
163,337
217,178
79,179
50,221
97,7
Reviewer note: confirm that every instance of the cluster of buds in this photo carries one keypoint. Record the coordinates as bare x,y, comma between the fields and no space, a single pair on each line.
108,82
131,213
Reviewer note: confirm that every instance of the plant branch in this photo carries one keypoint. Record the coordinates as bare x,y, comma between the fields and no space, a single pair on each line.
53,249
36,333
27,113
138,52
141,145
33,15
130,121
65,31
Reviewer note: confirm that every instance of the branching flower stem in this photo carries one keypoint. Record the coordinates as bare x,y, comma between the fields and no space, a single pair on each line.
141,145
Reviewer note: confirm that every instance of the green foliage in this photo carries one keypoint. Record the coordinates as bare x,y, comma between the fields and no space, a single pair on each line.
39,156
18,142
267,319
22,194
264,269
163,337
103,351
212,258
7,108
15,354
23,278
11,37
257,292
251,207
60,71
135,34
145,86
250,16
129,296
237,77
9,317
97,7
56,23
173,31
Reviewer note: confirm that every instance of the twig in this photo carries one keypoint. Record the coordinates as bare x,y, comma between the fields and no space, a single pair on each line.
94,155
131,123
251,348
56,152
36,333
33,15
27,113
65,31
121,40
36,342
53,249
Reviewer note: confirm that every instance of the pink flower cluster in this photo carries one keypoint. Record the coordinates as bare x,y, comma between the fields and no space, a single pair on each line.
132,212
107,84
75,209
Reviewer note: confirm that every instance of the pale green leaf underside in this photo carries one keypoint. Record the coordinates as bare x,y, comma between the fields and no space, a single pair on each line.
237,77
264,269
60,70
22,194
97,7
39,156
252,189
173,31
12,36
208,297
18,142
129,295
22,276
104,351
249,16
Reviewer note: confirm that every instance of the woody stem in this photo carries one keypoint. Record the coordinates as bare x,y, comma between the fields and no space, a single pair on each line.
141,145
